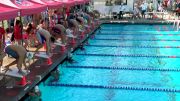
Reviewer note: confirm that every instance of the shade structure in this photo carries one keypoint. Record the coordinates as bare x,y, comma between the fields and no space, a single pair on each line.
26,7
7,12
68,3
52,4
87,1
80,2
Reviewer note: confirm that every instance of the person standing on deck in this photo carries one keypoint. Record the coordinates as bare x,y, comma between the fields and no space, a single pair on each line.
143,9
18,32
122,9
2,44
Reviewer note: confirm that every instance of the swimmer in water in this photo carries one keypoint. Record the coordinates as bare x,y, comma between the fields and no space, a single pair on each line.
55,74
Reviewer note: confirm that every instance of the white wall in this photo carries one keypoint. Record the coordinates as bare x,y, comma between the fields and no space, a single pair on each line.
100,6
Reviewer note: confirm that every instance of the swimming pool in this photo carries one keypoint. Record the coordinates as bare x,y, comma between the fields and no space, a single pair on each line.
121,63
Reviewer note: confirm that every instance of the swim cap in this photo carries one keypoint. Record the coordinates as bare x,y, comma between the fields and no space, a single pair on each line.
36,89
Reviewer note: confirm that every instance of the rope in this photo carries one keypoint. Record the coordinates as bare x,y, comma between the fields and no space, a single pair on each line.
133,55
133,46
126,68
119,34
133,39
115,87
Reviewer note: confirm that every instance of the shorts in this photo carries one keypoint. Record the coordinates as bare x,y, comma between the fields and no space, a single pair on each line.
11,52
41,38
143,12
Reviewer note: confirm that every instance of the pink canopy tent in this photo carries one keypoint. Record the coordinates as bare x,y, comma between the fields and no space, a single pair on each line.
52,4
7,12
80,2
68,3
26,7
87,1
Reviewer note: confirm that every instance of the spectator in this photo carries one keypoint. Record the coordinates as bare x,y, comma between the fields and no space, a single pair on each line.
18,32
122,8
143,9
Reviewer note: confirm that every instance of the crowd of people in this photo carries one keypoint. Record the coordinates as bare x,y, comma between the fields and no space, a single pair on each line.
143,8
58,26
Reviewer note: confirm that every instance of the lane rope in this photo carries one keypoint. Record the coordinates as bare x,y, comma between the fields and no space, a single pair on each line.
122,46
133,39
131,55
115,87
126,68
119,34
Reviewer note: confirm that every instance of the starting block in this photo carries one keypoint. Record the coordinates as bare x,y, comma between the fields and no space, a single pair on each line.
44,55
14,73
71,36
73,41
63,47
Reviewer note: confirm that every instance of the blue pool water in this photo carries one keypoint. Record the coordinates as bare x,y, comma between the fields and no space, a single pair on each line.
100,67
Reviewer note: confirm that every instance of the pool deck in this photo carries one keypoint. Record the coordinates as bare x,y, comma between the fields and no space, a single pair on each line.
40,70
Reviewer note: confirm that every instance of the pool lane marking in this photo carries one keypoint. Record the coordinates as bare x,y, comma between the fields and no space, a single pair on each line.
109,39
99,34
121,46
126,68
115,87
131,55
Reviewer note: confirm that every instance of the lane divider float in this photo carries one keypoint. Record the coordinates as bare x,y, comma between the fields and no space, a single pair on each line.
98,34
115,87
133,39
126,68
122,46
129,55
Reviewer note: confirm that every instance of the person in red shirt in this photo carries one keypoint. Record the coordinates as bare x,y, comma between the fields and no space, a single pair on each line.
2,44
2,38
18,32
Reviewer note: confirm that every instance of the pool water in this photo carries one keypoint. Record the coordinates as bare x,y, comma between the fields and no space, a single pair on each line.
111,62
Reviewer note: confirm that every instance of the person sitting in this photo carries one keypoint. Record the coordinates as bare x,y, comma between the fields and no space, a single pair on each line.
44,37
20,54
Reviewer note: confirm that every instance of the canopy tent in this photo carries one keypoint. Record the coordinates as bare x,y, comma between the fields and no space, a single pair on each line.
80,2
68,3
26,7
7,12
87,1
52,4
